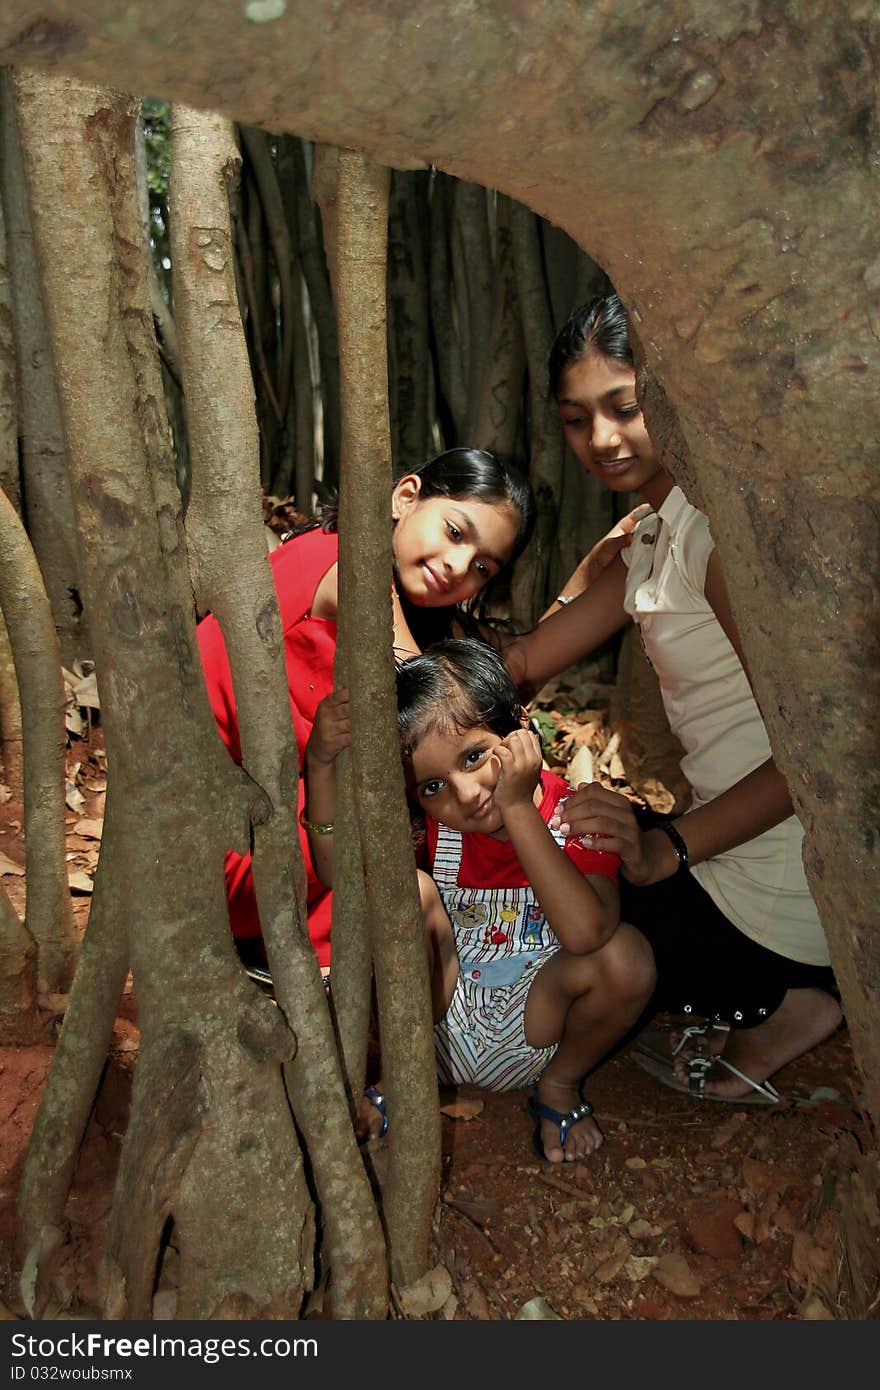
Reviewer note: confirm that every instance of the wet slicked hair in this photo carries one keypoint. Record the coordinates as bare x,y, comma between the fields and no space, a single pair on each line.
455,685
600,326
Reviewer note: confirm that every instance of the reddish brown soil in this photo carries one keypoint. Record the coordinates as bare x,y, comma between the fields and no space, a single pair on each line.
690,1210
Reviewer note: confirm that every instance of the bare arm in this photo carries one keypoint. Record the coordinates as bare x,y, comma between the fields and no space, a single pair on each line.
583,913
601,555
329,736
752,805
326,605
571,633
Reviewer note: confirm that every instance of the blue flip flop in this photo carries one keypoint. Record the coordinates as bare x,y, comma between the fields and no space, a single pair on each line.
540,1111
375,1096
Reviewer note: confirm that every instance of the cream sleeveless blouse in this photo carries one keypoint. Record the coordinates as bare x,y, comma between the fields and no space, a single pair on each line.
760,886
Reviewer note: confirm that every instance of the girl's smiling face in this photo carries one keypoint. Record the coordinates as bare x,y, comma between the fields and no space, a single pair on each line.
447,548
453,776
604,425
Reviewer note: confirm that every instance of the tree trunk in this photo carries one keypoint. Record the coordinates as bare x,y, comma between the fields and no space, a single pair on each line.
37,658
737,193
20,1022
452,393
225,519
210,1044
10,482
407,320
500,400
303,215
365,561
473,276
46,490
537,574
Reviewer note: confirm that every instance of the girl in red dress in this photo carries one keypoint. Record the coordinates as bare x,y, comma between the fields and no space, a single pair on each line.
458,520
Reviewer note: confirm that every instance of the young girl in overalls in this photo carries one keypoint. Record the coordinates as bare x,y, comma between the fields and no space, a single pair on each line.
458,520
533,978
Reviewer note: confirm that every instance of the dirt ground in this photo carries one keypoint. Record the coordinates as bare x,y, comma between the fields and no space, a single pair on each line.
690,1210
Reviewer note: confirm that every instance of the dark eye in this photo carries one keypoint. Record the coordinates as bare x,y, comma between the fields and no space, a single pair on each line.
474,756
625,411
573,420
481,568
432,788
454,531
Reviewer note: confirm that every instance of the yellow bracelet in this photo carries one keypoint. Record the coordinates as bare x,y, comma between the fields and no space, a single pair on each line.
325,827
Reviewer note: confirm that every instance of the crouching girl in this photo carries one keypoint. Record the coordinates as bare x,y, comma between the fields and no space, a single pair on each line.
533,977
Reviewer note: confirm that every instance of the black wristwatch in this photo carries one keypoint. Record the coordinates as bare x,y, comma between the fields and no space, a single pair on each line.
678,844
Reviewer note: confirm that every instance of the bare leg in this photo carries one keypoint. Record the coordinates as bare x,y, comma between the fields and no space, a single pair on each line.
586,1003
804,1018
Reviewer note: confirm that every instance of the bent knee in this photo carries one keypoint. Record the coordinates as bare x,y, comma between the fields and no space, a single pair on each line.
627,965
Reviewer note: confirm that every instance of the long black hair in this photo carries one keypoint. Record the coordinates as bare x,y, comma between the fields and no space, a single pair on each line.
462,474
600,326
453,686
478,476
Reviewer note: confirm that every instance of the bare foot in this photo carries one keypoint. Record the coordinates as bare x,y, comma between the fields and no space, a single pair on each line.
804,1018
584,1136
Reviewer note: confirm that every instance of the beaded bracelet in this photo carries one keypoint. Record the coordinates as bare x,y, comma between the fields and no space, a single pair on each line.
324,827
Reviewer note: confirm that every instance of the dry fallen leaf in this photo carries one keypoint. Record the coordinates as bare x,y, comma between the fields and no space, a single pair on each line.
639,1229
674,1273
537,1308
745,1224
8,866
638,1266
610,1268
91,827
580,768
426,1295
814,1310
463,1109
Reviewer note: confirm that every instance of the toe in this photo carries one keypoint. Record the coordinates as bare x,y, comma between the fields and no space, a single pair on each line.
553,1151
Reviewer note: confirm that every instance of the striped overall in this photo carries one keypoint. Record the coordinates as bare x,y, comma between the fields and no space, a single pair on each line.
502,938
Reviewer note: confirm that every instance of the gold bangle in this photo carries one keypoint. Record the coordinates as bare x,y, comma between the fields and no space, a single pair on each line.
325,827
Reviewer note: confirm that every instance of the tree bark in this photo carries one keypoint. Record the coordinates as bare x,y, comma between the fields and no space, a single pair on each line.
37,658
228,1173
47,505
500,400
365,563
407,320
472,262
313,263
72,1083
536,576
225,518
738,193
452,393
10,482
19,1021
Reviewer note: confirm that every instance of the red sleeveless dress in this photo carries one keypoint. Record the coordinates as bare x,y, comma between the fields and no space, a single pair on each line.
298,567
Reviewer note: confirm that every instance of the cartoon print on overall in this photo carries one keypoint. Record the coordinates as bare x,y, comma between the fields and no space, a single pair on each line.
502,938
